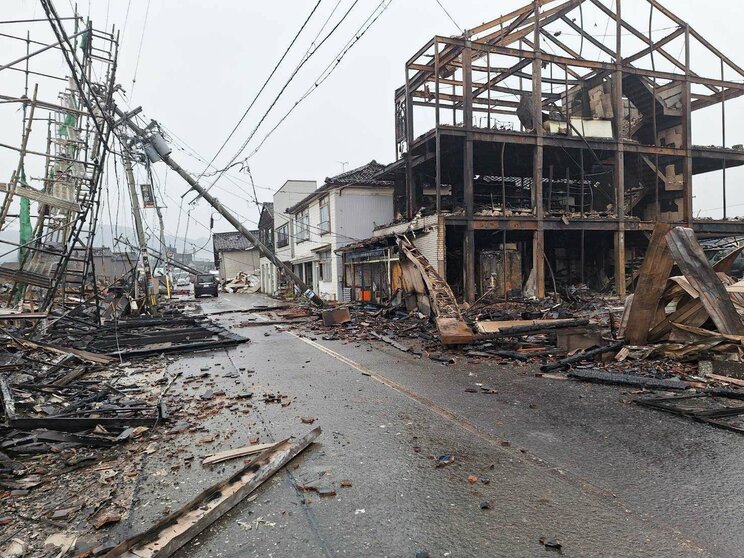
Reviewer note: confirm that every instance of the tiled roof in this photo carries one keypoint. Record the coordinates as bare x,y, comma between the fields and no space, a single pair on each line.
361,176
231,241
365,174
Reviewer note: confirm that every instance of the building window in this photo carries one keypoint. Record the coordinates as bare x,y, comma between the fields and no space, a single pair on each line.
325,215
282,236
324,266
303,225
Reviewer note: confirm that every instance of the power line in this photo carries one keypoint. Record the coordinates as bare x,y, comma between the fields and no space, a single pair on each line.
329,69
449,15
139,52
261,90
307,57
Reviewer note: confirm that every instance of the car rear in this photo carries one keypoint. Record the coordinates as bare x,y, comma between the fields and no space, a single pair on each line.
205,285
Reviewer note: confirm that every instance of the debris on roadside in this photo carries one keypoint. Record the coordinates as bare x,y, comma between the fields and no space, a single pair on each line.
178,528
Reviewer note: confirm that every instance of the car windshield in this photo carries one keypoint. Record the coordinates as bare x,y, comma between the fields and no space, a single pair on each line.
205,278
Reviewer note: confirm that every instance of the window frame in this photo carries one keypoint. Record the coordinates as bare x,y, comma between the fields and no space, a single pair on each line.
325,269
282,236
302,234
325,225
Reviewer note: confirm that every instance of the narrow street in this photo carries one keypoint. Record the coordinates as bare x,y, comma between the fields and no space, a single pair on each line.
553,460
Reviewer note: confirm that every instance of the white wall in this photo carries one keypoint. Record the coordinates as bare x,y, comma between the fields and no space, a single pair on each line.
355,211
232,263
292,192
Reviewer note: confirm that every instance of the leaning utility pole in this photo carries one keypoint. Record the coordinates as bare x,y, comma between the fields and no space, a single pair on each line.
152,295
157,150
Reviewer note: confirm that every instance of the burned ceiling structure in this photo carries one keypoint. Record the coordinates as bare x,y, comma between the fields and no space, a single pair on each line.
562,131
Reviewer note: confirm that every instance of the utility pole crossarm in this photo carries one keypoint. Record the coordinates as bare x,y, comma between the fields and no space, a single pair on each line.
265,251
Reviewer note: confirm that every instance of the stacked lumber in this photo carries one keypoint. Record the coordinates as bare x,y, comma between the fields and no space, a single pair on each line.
687,315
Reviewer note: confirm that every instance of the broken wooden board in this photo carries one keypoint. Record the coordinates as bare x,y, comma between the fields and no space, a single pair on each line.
691,313
691,259
453,331
528,326
87,356
652,280
236,453
171,533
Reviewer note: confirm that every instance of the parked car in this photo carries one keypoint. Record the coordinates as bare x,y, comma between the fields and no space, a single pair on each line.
206,284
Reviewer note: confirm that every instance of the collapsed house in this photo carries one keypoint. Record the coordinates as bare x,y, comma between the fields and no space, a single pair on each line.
544,155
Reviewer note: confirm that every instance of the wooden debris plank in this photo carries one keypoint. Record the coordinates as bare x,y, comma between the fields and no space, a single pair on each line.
684,285
728,379
584,355
236,453
81,354
43,197
652,280
171,533
527,326
453,331
691,259
691,313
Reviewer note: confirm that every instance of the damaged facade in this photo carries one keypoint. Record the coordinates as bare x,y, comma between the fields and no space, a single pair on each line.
532,142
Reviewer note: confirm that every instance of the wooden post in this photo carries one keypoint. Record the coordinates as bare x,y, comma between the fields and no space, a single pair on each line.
438,139
467,117
538,239
19,174
619,174
410,180
687,134
723,137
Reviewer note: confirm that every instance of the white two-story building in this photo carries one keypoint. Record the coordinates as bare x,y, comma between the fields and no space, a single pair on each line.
288,195
345,209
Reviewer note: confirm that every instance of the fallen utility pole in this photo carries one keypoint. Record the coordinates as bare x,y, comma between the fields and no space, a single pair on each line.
164,257
157,144
152,294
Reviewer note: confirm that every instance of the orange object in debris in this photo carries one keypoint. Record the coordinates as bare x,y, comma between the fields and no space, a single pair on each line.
366,295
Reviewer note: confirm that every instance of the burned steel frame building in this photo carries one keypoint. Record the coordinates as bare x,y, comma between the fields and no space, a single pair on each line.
537,133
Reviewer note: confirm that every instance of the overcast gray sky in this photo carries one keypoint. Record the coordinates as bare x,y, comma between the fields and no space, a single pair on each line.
202,62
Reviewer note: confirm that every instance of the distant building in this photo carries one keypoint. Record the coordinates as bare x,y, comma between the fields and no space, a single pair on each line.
111,266
234,253
342,211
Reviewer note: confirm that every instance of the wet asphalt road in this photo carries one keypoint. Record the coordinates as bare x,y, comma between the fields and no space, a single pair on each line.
558,460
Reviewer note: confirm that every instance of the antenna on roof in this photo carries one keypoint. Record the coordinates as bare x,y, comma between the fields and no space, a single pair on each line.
343,165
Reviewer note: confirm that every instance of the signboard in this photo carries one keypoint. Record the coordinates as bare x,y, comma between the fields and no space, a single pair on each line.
148,196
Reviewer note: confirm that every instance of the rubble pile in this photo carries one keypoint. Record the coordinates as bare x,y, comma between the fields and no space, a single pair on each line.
83,405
